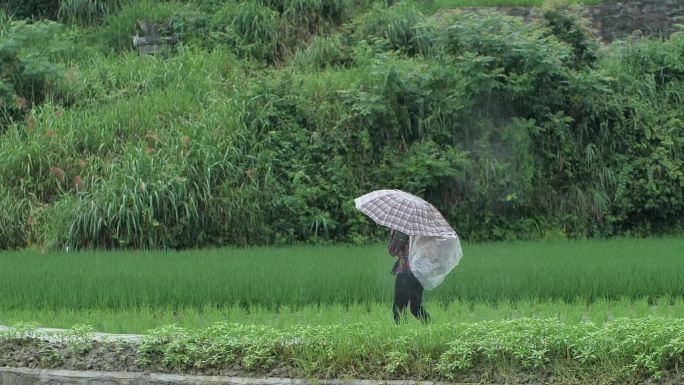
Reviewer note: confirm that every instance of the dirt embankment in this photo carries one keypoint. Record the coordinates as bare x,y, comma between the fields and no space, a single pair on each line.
123,356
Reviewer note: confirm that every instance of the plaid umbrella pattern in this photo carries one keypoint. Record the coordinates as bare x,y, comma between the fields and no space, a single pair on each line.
405,212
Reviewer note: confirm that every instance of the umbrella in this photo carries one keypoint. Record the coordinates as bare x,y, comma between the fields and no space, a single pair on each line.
434,248
405,212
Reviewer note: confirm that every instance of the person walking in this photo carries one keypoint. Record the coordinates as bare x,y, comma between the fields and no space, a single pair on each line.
407,289
416,225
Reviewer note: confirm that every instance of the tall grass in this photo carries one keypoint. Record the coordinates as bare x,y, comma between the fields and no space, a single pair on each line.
399,27
15,225
87,11
559,270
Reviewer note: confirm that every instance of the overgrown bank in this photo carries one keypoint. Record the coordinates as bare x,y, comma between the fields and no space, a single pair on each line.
262,135
520,351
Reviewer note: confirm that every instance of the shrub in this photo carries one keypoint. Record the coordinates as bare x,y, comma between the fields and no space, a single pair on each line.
323,52
568,26
400,27
27,75
35,9
118,29
648,76
250,28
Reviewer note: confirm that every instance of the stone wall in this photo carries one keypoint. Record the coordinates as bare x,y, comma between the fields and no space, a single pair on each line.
614,20
617,19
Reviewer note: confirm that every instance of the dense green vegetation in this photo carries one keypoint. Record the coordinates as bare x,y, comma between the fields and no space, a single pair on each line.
269,118
90,11
618,352
577,271
263,124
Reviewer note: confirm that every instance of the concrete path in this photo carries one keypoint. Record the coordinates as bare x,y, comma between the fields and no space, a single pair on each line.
52,334
23,376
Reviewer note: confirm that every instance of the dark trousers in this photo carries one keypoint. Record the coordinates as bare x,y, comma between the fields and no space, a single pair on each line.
407,289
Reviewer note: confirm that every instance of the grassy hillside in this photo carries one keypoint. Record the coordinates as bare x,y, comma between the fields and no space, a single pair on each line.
268,118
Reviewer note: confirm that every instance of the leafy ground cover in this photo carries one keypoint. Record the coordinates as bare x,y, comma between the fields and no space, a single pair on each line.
626,351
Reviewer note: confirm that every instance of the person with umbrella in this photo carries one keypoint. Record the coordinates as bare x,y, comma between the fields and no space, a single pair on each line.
426,247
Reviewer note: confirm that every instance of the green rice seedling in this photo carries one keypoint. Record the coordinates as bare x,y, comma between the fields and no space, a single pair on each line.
112,284
641,307
619,311
552,309
580,271
595,267
600,312
677,307
141,319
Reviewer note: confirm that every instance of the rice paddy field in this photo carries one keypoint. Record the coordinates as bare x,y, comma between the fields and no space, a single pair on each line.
558,311
141,320
571,281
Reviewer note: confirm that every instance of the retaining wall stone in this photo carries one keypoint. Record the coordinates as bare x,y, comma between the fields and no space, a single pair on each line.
614,20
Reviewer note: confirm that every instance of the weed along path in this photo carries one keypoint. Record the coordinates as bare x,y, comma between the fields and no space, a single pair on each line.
522,351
